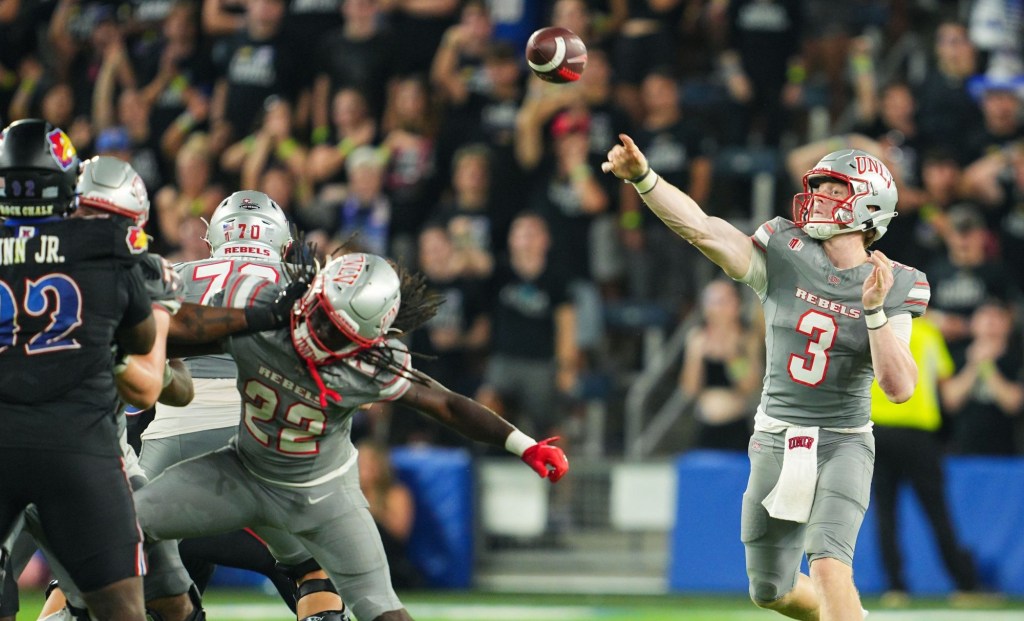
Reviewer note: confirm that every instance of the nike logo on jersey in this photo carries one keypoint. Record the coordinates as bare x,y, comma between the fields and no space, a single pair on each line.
314,501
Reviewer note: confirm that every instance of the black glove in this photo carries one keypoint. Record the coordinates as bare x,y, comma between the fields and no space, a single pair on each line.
163,284
276,314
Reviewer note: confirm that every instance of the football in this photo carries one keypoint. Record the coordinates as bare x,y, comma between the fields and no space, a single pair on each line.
556,55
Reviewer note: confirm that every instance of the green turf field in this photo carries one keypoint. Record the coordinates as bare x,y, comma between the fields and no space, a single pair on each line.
450,606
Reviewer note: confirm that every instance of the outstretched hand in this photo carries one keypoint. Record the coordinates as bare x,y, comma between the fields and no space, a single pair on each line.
547,460
879,282
625,160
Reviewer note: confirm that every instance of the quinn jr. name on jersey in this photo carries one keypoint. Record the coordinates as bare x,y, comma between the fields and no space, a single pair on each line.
820,302
12,250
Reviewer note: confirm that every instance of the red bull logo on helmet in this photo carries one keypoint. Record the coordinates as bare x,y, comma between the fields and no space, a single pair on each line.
61,149
138,241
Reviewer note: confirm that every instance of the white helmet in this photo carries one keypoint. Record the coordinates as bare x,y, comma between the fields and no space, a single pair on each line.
869,207
112,185
248,223
348,308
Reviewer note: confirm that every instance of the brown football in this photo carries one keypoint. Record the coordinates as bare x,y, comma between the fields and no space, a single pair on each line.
556,54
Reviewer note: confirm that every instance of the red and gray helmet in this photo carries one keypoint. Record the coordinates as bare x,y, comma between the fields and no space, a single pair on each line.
869,207
112,185
348,308
248,223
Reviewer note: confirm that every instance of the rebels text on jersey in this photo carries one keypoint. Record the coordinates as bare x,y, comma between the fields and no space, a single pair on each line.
65,288
818,358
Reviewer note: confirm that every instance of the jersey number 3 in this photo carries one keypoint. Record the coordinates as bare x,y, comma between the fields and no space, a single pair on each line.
820,330
56,294
261,403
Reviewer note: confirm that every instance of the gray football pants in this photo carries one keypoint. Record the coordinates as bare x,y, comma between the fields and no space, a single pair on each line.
214,493
774,547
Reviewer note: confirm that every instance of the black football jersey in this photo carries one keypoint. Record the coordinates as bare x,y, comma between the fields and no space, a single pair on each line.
65,287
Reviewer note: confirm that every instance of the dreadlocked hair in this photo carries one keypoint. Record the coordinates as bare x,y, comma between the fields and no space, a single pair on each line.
419,303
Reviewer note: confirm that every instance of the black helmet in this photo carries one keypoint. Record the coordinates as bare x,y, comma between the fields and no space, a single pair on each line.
39,168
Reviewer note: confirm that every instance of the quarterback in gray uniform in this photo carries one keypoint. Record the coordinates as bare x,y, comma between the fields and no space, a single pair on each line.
248,234
292,466
837,315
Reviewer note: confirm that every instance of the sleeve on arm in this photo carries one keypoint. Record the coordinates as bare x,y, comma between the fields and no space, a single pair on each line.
902,326
764,233
915,302
757,274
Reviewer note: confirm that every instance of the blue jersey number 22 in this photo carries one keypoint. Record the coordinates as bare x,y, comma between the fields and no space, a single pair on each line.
55,294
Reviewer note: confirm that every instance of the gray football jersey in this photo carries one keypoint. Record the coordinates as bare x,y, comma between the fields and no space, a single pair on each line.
203,280
818,370
284,435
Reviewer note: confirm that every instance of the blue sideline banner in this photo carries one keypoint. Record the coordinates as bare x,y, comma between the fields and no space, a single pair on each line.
985,497
441,480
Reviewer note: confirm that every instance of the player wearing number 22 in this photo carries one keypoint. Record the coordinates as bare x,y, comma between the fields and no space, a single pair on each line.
291,466
837,315
68,289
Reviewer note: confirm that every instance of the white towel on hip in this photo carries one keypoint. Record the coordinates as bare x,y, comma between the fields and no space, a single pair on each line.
793,494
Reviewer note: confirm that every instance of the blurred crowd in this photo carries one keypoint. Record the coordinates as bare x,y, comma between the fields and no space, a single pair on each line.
412,128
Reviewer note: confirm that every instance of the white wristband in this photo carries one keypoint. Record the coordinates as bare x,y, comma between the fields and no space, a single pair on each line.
876,319
517,442
646,184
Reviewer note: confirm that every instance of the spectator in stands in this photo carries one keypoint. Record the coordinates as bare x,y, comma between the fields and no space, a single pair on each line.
908,450
223,18
273,144
999,94
997,180
469,215
458,67
722,370
986,395
490,118
888,115
171,69
410,127
83,36
942,98
659,269
996,28
393,509
360,208
353,126
965,277
257,62
763,68
534,356
193,194
358,55
420,25
130,112
647,31
919,232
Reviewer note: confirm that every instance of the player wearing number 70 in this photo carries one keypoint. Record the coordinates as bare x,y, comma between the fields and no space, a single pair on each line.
837,315
291,467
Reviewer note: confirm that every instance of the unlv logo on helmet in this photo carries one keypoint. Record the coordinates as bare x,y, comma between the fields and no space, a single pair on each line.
870,164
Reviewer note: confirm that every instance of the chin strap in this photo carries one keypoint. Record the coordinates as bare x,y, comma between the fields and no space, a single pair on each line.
325,392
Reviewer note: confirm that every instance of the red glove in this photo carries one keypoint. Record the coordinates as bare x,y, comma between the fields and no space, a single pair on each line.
547,460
